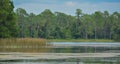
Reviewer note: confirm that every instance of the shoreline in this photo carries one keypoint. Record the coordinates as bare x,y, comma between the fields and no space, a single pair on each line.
80,40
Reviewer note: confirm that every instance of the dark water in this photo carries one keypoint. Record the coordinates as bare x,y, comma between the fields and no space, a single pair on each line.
73,61
114,60
41,63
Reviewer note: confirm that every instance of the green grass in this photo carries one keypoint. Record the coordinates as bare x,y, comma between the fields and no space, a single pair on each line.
80,40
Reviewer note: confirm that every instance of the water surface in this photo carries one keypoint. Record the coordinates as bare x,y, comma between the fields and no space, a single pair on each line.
69,47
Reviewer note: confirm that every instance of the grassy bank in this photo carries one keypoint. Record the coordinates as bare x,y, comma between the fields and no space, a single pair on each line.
23,45
79,40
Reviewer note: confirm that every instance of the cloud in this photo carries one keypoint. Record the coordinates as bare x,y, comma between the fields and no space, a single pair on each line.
70,3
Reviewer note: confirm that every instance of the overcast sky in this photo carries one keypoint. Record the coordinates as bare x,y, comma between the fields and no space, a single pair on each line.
68,6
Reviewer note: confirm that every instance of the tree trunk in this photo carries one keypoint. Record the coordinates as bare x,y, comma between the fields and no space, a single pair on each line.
86,36
110,35
95,33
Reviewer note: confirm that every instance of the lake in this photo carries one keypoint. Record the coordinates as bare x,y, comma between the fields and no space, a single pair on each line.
42,63
68,53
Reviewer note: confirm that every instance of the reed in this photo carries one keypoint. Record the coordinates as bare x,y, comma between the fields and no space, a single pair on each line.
23,45
23,41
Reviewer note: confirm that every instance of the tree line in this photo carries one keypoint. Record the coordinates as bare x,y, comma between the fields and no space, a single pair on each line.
57,25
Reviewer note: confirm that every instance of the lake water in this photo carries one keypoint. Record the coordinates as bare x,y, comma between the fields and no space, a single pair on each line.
42,63
70,53
85,43
94,44
86,47
80,61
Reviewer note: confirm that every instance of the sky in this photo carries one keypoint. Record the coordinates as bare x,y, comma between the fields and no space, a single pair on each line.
68,6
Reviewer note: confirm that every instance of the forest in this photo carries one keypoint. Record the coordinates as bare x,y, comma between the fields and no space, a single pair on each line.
57,25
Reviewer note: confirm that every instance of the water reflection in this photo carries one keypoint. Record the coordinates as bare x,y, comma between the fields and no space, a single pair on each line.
112,60
75,48
85,47
40,63
58,62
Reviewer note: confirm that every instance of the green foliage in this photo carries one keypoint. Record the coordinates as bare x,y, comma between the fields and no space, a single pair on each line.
58,25
99,25
7,19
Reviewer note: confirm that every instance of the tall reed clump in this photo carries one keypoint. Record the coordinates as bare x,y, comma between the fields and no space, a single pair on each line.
23,45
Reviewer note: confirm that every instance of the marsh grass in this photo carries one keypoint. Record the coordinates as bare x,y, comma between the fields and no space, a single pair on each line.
23,45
